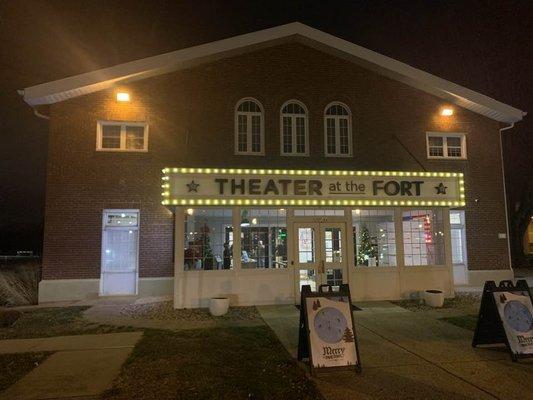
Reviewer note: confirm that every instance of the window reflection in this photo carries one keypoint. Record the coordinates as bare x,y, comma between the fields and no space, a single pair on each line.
208,239
374,237
263,238
423,237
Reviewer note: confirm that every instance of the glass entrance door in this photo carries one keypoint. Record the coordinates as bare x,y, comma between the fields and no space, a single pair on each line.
320,254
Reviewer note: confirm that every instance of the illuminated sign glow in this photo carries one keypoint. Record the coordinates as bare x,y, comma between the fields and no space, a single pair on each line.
276,187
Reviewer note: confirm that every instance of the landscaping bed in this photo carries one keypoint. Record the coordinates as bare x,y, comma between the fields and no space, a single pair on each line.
166,311
461,302
15,366
219,363
48,322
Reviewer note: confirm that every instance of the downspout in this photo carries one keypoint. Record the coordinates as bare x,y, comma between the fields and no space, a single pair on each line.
510,126
37,113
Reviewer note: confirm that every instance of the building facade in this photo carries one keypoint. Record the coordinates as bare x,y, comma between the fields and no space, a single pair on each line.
250,166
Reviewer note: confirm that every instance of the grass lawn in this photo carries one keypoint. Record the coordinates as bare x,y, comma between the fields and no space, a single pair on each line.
15,366
48,322
218,363
462,321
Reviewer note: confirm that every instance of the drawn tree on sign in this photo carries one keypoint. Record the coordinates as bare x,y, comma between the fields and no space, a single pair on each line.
316,305
348,335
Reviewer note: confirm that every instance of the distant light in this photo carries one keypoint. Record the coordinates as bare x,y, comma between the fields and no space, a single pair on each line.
254,221
357,211
123,96
446,112
190,211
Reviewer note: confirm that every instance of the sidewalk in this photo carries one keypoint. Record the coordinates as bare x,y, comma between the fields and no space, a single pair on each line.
408,355
82,365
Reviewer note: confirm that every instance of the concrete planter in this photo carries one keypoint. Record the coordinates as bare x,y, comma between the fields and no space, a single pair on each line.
218,306
434,298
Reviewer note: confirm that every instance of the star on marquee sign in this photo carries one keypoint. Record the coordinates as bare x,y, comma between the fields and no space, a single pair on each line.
441,189
193,186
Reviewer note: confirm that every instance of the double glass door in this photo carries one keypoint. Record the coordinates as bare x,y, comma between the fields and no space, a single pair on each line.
320,254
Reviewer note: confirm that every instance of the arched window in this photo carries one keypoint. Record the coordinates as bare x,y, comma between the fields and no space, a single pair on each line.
294,129
249,131
337,130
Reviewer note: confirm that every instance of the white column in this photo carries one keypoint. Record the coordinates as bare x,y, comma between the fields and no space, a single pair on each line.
291,243
448,248
237,238
350,263
400,259
179,246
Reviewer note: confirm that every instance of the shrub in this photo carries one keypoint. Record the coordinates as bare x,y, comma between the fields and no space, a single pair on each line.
19,284
8,317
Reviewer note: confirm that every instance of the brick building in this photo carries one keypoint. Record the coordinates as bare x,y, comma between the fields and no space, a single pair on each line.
252,165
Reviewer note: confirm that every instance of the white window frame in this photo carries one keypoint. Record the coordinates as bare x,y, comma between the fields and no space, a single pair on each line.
293,129
249,115
462,227
337,118
122,124
445,136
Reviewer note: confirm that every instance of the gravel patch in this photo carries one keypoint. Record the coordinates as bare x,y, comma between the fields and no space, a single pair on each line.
461,301
166,311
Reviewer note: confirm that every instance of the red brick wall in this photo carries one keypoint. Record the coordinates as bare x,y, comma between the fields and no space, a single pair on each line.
191,119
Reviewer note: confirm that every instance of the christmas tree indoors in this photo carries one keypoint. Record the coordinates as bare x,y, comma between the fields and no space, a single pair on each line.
365,251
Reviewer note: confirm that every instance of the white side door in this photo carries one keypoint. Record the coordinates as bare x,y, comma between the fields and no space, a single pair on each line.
120,252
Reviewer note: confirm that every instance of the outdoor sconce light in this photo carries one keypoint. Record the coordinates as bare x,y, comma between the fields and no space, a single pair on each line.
446,112
123,96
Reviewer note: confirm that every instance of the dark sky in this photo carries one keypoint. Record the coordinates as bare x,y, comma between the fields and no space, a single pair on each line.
483,45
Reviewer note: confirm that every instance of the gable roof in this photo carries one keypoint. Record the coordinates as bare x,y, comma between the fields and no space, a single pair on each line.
78,85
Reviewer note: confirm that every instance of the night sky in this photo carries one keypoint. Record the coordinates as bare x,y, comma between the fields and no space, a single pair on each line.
483,45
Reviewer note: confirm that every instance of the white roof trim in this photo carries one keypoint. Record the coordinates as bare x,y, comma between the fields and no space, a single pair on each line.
78,85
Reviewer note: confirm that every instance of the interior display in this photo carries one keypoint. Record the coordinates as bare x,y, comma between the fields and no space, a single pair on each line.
264,238
506,317
366,249
208,239
423,237
374,237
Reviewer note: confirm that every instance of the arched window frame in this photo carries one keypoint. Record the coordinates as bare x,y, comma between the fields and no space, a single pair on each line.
249,115
337,118
293,125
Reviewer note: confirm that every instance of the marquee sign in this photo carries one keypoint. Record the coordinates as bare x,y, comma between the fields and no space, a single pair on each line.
229,186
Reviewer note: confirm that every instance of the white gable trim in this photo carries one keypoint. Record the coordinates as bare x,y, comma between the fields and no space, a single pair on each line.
78,85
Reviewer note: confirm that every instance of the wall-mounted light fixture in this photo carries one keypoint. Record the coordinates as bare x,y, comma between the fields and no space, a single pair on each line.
123,96
446,112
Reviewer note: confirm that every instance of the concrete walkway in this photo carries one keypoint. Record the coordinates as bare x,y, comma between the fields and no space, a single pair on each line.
407,355
81,366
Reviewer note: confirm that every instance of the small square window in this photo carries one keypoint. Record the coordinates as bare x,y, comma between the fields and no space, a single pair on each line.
442,145
122,136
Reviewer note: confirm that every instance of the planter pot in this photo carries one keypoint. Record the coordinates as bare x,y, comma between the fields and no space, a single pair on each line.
218,306
434,298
